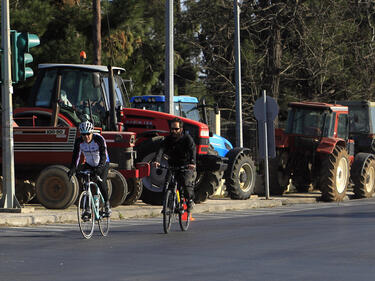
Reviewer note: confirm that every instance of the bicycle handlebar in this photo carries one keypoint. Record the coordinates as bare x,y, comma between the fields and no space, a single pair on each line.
89,172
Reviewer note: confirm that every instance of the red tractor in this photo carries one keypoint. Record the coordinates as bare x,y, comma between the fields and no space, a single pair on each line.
74,93
42,155
44,138
315,151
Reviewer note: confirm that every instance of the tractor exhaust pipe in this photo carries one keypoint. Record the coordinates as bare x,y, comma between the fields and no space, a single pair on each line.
112,100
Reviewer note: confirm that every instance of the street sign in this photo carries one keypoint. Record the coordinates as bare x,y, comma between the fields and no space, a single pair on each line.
265,111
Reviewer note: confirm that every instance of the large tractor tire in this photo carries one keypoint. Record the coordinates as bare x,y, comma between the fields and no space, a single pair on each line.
363,175
119,188
207,182
53,188
153,184
240,181
135,188
278,174
25,191
334,175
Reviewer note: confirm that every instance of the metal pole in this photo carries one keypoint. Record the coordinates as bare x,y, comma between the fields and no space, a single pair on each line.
169,62
267,186
239,135
9,199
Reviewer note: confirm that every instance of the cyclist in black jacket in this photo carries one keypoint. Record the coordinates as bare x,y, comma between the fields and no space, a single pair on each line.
94,148
179,147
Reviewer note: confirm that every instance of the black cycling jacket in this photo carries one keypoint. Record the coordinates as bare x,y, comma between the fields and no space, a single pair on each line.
180,152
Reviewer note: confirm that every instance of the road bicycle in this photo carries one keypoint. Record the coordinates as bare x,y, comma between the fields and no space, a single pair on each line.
91,207
174,202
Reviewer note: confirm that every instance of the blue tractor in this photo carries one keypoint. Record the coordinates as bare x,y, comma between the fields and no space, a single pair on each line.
241,173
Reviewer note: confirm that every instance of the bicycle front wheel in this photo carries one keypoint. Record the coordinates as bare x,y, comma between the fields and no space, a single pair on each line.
184,217
85,213
168,210
103,221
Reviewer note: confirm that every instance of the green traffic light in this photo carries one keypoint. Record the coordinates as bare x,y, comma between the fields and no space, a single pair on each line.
20,46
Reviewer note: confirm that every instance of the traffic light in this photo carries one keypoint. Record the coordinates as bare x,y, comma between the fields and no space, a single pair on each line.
20,46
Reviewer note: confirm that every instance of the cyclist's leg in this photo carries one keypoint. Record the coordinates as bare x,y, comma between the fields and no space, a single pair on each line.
186,179
103,174
82,167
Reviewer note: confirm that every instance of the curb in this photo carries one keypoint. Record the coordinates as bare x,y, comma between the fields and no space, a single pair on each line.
41,216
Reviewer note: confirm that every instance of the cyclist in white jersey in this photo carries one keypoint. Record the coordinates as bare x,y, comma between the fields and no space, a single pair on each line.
94,148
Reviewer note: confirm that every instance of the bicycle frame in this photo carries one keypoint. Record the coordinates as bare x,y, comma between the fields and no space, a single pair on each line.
87,183
173,202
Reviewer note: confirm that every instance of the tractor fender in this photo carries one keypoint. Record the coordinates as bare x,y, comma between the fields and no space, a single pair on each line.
327,145
359,163
232,156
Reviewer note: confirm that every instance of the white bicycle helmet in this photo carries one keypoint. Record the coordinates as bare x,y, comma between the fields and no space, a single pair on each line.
86,127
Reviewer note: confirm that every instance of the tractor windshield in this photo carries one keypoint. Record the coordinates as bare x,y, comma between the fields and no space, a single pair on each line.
359,119
184,109
310,122
188,110
155,106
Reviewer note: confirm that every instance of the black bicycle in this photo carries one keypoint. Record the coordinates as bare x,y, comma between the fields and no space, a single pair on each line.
174,202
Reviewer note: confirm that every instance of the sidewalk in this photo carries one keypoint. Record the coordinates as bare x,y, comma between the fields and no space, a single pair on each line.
37,214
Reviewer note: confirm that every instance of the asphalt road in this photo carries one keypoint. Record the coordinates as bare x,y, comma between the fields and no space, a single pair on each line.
301,242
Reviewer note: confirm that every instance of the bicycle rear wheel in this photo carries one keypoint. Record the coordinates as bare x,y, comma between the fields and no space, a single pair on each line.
85,213
103,221
184,217
168,210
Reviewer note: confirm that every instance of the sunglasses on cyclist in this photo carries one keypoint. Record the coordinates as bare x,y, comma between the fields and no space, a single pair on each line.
86,134
175,129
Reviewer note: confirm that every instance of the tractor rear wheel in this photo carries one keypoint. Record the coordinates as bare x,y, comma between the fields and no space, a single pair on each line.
135,188
278,174
365,183
25,191
334,175
119,188
207,182
153,184
54,189
241,181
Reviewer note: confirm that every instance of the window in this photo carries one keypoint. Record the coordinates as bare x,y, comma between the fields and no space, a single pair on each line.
342,126
46,89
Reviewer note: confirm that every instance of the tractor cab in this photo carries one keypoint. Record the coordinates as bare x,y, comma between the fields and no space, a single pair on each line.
362,124
314,126
80,91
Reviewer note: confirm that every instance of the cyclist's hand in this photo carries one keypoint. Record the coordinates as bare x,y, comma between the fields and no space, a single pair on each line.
71,173
156,164
191,167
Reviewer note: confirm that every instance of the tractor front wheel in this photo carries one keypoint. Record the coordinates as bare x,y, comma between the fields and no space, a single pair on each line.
365,183
334,175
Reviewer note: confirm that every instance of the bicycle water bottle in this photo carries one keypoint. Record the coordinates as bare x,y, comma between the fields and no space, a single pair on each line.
96,200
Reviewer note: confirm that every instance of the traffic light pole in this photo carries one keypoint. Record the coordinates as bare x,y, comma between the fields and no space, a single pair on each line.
9,200
239,129
169,60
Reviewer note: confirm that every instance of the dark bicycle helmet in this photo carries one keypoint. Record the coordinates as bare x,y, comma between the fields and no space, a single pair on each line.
86,127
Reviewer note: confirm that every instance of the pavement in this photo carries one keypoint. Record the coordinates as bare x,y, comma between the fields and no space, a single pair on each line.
38,215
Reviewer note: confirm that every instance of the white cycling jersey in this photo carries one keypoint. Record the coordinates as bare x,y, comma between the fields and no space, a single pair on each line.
95,152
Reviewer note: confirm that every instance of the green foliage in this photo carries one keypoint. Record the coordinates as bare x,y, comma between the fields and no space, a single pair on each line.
296,50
